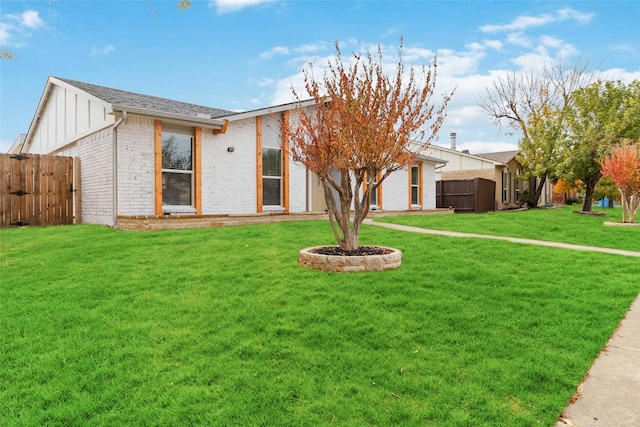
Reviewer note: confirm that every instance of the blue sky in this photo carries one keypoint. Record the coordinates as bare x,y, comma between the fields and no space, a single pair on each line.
246,54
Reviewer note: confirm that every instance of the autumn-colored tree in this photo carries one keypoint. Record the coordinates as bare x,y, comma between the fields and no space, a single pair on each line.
623,167
359,130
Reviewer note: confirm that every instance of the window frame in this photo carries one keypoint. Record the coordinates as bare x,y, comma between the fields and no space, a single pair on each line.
195,133
167,206
419,203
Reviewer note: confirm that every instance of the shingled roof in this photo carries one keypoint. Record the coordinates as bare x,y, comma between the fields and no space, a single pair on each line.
502,156
147,102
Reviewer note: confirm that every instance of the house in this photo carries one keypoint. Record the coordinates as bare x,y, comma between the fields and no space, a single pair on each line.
145,156
502,167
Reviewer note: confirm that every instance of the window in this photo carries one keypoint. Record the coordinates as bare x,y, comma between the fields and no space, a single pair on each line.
177,169
375,202
415,186
505,186
271,177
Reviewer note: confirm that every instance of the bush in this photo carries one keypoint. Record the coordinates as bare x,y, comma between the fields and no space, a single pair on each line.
573,201
527,198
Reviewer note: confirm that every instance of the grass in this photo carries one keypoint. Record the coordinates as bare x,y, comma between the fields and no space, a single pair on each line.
555,225
222,327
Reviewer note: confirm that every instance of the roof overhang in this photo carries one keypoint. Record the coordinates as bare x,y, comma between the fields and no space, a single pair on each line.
432,159
181,119
270,110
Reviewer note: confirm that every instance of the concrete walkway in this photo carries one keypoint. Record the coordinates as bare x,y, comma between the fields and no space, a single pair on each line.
505,238
610,394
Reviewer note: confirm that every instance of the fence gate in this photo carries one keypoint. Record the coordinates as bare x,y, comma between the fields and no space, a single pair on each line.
38,189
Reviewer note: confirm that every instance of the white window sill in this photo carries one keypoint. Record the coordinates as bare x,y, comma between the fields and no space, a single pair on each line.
273,209
417,207
374,208
178,210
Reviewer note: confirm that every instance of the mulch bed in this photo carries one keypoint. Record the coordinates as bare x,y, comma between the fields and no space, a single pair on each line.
361,251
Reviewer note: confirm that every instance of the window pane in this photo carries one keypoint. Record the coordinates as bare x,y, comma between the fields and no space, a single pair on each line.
176,151
415,175
176,189
271,191
414,195
271,162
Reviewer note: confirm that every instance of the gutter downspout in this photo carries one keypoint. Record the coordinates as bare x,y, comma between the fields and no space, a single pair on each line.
114,135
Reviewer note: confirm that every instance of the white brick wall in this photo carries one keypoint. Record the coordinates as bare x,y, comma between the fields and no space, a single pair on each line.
297,187
429,185
229,179
95,152
136,166
394,191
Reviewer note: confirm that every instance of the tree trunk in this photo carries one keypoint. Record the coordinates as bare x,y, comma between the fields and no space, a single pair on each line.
537,189
590,185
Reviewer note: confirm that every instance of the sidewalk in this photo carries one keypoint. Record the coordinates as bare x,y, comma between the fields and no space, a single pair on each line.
610,394
508,239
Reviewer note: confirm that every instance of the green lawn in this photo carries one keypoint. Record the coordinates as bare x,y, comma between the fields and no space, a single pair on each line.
556,225
221,326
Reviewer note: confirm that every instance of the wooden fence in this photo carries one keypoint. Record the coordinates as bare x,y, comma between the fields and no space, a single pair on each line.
468,195
38,190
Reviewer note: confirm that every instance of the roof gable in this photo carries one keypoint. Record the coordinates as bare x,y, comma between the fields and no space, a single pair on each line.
146,102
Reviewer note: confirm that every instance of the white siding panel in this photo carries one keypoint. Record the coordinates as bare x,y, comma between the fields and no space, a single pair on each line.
60,114
70,113
82,114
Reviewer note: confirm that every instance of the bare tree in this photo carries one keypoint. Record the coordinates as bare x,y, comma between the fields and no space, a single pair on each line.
534,105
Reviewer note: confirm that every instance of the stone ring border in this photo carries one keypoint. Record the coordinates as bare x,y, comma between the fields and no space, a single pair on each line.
350,264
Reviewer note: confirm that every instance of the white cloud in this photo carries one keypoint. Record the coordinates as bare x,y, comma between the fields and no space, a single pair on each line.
278,50
619,74
5,33
310,47
15,29
519,39
31,19
626,47
521,23
102,51
494,44
568,13
230,6
551,41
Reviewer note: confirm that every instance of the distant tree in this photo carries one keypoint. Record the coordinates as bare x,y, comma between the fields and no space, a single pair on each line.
622,165
606,188
533,105
600,117
359,131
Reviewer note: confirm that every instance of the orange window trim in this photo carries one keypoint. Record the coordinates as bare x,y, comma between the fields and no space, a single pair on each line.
157,136
259,164
197,167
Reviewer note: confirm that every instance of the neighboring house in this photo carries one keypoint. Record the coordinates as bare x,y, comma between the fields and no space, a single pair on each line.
142,155
501,167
